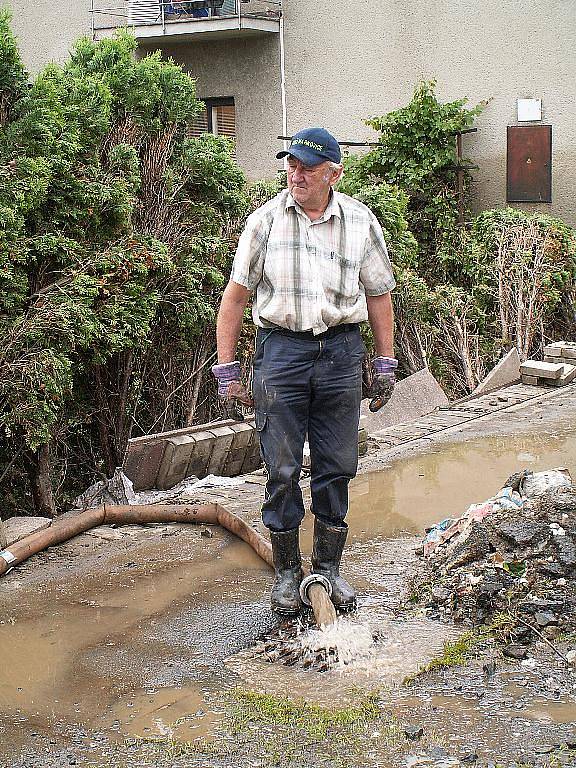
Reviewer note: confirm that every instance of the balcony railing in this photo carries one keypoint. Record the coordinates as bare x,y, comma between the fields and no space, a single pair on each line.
209,18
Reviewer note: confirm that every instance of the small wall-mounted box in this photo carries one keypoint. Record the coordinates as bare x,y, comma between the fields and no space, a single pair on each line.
529,110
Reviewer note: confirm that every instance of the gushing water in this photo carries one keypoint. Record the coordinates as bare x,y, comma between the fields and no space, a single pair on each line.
340,643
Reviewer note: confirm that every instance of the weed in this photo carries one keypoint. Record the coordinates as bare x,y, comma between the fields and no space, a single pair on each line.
312,720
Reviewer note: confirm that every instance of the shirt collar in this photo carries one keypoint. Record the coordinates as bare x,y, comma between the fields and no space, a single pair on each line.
332,209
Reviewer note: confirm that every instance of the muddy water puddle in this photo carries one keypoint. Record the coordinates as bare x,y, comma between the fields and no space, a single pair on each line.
421,490
149,654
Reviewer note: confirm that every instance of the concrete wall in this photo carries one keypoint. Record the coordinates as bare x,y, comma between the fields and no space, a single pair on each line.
46,29
346,61
346,66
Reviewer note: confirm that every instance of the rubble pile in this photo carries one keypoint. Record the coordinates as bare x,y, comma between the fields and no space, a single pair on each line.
514,553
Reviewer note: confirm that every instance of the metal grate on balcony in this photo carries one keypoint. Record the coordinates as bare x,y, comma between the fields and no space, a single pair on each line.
186,18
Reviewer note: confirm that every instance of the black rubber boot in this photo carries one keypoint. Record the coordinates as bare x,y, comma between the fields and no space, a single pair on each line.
285,593
327,550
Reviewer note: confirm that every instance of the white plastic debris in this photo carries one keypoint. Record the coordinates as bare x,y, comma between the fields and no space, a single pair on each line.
540,482
557,530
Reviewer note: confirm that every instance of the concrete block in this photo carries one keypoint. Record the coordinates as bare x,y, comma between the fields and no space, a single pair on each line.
554,349
200,458
17,528
142,462
222,444
174,467
569,352
568,375
505,372
533,380
541,369
413,397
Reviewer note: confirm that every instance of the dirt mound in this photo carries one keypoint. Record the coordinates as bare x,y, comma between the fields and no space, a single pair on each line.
514,554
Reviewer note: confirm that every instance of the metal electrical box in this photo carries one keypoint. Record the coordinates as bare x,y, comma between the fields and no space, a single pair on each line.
529,164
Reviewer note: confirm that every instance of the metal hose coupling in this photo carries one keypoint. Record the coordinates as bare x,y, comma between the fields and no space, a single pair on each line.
306,583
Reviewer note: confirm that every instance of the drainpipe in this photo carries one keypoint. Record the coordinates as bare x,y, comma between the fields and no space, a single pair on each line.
283,79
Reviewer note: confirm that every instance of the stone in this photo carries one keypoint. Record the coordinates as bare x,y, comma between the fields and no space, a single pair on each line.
541,370
532,380
571,658
545,618
469,546
515,651
440,594
17,528
523,533
534,604
566,551
554,349
200,456
173,469
505,372
544,749
142,462
413,397
568,375
413,732
224,438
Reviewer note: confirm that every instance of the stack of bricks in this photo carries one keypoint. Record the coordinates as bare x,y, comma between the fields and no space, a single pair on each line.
557,370
560,352
225,448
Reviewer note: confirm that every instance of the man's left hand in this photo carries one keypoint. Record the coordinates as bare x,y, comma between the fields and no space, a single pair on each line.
383,381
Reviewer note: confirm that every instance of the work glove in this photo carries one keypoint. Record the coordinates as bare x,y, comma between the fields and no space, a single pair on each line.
383,381
231,391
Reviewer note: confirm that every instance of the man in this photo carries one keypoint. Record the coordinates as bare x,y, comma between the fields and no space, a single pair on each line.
317,263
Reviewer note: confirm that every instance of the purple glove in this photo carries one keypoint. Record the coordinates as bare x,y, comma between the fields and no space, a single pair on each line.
231,390
383,381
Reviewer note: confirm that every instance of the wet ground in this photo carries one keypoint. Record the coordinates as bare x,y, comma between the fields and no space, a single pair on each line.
133,651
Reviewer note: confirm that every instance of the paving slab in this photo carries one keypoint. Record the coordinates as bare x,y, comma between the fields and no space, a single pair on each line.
541,369
17,528
506,371
413,397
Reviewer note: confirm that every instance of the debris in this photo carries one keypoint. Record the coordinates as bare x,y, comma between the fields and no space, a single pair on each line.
514,554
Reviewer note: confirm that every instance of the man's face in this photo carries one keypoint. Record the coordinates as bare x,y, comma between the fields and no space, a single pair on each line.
310,185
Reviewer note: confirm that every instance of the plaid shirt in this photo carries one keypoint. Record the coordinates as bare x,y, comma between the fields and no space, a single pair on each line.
312,275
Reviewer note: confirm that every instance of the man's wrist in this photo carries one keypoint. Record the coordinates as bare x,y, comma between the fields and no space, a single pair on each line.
384,365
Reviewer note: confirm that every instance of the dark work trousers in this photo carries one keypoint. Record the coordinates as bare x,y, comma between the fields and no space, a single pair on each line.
308,385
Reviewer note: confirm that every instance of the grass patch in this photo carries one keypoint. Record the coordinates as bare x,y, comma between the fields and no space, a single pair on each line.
311,720
453,654
457,652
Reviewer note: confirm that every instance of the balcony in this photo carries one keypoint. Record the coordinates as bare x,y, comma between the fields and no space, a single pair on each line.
185,20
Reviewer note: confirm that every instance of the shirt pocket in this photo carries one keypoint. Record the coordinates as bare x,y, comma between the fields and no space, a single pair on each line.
340,275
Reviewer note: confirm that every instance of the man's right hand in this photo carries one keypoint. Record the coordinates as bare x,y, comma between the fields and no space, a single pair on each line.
231,391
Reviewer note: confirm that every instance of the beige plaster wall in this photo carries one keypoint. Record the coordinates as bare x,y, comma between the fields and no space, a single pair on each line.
46,29
365,58
249,70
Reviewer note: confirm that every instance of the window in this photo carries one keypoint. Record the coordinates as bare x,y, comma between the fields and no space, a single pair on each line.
219,118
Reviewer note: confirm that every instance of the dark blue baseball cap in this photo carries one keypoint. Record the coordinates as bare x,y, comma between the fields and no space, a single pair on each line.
313,146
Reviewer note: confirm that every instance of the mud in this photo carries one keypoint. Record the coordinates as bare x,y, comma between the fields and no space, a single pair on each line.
103,641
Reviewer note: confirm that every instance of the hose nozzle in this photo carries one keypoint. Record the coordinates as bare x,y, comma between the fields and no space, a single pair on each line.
306,583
